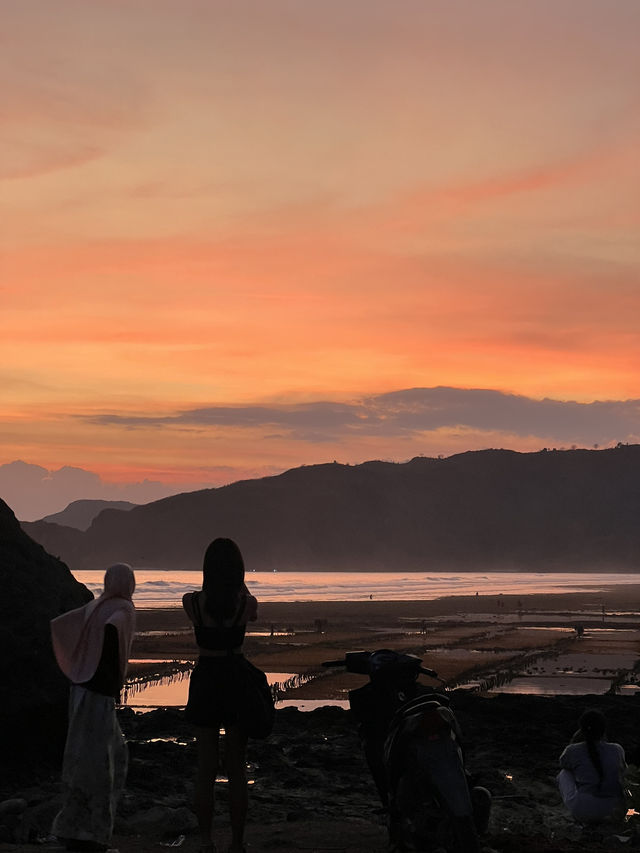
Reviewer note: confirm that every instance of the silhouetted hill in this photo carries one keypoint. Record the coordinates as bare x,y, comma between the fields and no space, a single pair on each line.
493,509
80,514
35,588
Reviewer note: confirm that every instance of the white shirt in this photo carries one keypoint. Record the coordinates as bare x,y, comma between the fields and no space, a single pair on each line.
576,759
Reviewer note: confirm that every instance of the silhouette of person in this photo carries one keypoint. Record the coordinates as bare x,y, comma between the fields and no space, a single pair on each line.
91,645
590,781
219,613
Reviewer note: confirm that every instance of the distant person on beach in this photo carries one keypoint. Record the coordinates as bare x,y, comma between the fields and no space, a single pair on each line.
219,613
92,645
590,781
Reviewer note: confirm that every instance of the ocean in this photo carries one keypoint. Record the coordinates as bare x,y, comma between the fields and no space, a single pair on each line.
159,588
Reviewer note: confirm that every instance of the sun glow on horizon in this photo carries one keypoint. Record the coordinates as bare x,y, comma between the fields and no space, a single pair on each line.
219,247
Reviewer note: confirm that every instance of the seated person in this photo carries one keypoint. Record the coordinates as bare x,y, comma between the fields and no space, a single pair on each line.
590,781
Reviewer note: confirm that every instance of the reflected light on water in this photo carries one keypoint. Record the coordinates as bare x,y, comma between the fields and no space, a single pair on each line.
177,741
171,690
165,588
551,686
312,704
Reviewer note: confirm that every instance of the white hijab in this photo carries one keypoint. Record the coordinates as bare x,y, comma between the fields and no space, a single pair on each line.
78,635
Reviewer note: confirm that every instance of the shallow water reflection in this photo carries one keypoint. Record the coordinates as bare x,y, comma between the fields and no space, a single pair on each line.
312,704
171,689
555,686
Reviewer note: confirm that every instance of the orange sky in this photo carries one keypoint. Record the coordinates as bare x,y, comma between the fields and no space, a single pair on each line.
212,205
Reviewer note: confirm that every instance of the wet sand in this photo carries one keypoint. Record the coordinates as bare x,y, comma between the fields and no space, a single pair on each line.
281,613
498,630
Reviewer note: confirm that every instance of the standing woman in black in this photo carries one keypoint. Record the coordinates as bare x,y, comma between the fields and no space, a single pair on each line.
219,613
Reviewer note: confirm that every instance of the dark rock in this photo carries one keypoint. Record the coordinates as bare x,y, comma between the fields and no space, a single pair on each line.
300,814
292,800
39,816
163,821
12,820
6,834
14,806
36,587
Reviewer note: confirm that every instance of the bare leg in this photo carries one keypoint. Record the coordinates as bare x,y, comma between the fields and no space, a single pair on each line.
235,759
207,745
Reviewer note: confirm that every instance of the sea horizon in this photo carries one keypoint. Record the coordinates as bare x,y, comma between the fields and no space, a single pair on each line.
164,588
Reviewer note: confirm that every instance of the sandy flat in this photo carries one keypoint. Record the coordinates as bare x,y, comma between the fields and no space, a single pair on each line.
461,637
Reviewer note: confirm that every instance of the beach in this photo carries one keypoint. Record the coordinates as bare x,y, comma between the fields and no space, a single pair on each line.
494,628
310,789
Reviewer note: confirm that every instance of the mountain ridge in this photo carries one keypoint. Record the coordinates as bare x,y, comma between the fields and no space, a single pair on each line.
480,510
80,513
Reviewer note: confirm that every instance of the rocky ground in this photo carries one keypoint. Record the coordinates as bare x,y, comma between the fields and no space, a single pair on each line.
310,789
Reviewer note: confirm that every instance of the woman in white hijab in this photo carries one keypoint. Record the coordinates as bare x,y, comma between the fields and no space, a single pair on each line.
92,645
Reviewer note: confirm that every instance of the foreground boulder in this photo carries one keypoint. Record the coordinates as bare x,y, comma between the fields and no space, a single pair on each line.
35,588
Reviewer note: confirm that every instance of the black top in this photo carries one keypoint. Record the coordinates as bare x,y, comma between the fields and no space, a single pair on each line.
218,638
106,679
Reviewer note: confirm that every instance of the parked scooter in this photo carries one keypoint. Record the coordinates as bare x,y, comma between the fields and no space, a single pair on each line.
412,743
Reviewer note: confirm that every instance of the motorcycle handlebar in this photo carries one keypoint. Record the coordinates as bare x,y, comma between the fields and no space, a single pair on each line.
430,672
344,662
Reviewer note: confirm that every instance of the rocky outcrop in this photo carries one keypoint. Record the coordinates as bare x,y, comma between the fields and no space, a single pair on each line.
35,588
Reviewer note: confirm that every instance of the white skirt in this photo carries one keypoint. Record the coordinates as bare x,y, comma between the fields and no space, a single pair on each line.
94,768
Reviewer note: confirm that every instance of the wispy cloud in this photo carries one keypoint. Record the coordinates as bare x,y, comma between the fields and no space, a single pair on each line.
205,215
413,411
395,425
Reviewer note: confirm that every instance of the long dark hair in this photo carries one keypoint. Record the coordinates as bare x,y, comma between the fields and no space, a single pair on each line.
222,578
592,729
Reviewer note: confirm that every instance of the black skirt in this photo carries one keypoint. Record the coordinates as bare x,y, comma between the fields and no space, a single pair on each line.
215,691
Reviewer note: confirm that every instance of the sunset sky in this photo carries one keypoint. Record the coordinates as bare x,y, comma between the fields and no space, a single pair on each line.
241,236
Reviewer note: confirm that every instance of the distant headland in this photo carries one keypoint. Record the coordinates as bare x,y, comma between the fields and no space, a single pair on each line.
553,510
